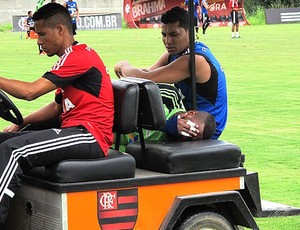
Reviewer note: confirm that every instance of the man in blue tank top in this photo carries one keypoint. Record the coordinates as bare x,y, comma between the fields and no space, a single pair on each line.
73,11
197,11
173,67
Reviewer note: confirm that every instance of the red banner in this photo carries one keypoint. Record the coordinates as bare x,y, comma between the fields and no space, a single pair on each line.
147,13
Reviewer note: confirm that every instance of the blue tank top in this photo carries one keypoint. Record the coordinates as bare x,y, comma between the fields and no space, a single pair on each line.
72,8
196,3
211,95
203,9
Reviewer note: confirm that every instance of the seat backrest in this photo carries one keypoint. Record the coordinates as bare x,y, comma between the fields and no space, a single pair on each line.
151,114
126,96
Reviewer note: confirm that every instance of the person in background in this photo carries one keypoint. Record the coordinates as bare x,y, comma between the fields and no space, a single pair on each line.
197,11
173,67
29,24
73,11
204,15
83,102
234,12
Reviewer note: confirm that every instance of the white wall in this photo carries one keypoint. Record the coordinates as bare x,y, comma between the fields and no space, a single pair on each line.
20,7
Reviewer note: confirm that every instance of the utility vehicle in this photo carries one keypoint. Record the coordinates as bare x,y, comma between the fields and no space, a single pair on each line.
167,185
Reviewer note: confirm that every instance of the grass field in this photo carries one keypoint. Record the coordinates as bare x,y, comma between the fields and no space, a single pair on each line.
263,78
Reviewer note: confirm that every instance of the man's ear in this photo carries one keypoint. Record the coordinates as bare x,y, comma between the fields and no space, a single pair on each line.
60,28
192,112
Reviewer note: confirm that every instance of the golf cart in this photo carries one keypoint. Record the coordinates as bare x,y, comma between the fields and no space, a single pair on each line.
198,184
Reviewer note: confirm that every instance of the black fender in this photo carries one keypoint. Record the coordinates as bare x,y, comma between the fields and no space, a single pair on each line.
229,200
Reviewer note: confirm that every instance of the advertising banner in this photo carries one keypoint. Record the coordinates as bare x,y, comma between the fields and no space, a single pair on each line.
18,23
147,13
100,22
286,15
86,22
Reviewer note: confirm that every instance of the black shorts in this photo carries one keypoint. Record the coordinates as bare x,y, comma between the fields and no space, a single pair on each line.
196,21
234,17
74,25
205,18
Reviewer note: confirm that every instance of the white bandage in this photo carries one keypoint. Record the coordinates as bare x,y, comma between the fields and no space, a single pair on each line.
190,123
193,129
184,134
192,126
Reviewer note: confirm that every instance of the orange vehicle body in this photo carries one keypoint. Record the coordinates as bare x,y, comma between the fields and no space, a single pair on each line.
82,206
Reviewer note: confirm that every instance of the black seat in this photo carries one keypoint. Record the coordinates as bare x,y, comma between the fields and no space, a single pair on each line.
117,164
176,156
186,156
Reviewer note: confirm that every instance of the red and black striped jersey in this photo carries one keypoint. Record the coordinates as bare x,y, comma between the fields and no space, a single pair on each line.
85,92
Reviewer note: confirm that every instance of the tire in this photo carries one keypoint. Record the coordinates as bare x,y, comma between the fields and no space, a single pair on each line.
206,221
235,227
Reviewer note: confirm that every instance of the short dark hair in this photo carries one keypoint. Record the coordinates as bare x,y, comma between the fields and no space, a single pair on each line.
176,14
209,127
209,124
54,14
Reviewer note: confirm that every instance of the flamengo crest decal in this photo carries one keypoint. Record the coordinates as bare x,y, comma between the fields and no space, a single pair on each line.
117,209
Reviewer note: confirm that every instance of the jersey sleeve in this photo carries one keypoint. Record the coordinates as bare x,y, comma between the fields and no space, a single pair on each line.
67,69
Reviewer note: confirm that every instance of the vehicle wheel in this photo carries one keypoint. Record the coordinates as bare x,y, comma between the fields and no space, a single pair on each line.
235,227
206,221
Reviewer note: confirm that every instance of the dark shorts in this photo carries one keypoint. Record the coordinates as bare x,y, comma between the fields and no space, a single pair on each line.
234,17
196,21
74,28
205,18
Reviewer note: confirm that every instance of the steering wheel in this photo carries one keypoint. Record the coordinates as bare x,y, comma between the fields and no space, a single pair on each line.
8,110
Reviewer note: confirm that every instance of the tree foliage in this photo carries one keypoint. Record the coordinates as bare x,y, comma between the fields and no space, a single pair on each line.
251,6
280,3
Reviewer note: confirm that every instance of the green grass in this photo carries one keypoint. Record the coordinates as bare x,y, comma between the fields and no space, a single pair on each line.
263,78
5,27
258,18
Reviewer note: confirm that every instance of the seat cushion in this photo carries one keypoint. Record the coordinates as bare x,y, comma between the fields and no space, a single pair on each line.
186,156
115,166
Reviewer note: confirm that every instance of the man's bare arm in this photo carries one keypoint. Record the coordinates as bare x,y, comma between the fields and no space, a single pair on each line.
26,90
174,72
162,61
